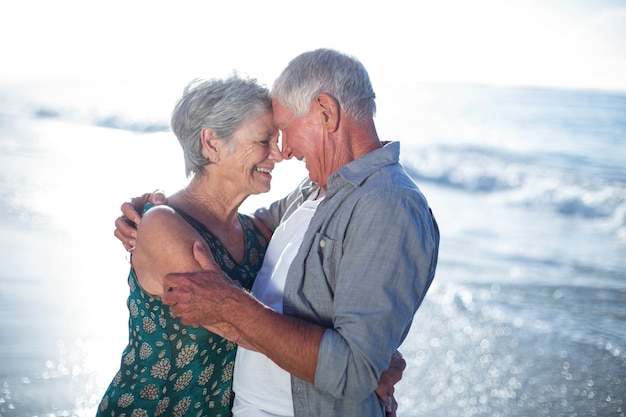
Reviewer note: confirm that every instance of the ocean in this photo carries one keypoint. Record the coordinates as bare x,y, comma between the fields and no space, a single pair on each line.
527,313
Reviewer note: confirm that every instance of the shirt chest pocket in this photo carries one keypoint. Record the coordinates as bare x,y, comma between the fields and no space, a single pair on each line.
322,262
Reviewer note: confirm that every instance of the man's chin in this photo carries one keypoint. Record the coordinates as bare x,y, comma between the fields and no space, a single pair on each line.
314,181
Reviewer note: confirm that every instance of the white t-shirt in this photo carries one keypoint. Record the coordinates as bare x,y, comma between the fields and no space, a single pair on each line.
262,389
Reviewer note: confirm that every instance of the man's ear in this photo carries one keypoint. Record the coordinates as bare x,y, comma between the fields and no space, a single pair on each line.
329,111
210,144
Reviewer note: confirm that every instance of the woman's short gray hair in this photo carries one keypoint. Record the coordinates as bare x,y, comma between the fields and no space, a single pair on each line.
326,71
222,105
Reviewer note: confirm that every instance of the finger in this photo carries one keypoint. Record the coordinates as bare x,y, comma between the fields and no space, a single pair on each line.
178,311
184,312
130,213
392,376
397,362
125,232
158,197
170,294
391,407
388,405
129,244
204,256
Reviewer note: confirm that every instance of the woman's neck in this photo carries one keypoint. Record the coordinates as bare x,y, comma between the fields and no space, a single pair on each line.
217,209
213,205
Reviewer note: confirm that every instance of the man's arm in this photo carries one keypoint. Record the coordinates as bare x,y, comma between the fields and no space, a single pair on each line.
210,297
387,257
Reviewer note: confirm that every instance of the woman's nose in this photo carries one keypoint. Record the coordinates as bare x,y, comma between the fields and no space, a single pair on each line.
275,153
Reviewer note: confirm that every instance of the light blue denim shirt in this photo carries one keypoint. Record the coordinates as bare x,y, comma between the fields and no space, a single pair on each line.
365,264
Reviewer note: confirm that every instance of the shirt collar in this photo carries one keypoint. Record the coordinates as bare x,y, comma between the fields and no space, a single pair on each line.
358,170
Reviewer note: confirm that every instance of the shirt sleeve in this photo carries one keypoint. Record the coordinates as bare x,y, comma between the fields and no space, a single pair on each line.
387,263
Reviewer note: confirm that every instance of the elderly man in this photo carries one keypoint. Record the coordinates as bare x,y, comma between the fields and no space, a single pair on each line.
349,285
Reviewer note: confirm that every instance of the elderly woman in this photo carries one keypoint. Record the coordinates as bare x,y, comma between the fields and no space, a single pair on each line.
230,147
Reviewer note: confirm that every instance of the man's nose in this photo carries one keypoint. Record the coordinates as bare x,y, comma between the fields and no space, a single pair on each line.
285,149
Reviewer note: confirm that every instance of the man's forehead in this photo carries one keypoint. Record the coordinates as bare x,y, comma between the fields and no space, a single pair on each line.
282,115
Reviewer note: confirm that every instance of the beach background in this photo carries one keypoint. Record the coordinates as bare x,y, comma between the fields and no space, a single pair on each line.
511,118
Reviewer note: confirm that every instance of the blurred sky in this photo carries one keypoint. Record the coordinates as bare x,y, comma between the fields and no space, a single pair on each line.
560,43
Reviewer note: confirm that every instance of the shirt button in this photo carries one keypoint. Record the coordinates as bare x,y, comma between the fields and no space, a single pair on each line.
322,243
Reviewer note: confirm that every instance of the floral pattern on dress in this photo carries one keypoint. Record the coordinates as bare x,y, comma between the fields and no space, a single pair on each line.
169,369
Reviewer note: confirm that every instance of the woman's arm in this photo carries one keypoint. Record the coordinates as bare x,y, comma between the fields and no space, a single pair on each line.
162,246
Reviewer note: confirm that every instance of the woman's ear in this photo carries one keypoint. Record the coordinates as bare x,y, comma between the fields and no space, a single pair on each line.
210,144
329,111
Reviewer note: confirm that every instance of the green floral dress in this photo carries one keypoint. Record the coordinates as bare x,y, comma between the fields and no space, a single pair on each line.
169,369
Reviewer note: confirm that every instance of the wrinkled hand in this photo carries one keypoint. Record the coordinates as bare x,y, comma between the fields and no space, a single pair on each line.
388,380
126,224
195,297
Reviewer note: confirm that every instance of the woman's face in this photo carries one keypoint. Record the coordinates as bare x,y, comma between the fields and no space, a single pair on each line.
249,157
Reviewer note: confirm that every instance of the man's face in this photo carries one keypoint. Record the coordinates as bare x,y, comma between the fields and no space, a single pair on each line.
304,138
